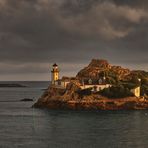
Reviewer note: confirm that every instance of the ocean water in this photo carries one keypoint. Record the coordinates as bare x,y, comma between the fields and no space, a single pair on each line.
24,127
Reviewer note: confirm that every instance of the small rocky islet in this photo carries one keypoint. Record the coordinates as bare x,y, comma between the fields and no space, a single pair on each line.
117,96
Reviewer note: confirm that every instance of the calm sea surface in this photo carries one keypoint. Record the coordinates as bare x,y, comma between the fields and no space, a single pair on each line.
24,127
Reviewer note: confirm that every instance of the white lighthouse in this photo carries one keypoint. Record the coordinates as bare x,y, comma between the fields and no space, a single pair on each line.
54,73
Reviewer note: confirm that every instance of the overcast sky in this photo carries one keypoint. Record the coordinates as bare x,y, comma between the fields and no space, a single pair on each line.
34,34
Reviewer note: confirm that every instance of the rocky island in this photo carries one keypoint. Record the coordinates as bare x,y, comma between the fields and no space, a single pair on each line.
99,86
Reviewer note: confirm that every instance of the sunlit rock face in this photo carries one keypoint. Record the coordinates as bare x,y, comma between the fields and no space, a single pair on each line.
99,63
98,68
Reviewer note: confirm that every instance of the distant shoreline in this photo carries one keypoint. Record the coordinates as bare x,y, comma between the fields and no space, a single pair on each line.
11,85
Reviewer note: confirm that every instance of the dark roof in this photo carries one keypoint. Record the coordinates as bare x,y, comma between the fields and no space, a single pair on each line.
55,65
93,81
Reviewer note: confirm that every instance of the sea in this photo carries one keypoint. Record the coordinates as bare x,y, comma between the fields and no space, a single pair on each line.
22,126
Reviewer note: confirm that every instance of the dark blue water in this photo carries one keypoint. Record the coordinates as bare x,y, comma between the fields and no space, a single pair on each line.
24,127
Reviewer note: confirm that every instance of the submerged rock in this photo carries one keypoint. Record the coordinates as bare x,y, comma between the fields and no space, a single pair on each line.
26,99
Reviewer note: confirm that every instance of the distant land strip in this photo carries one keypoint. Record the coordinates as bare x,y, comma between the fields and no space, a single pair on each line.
10,101
12,85
22,100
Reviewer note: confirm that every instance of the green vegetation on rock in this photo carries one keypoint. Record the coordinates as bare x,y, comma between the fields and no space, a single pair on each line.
116,92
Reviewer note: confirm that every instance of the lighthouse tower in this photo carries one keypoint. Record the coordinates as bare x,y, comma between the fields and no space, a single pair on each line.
54,73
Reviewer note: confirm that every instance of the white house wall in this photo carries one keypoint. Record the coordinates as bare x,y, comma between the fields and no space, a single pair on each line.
98,87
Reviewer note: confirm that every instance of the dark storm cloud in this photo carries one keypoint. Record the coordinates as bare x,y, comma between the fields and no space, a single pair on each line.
133,3
39,32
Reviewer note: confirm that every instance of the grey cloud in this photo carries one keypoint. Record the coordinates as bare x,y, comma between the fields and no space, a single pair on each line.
71,31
